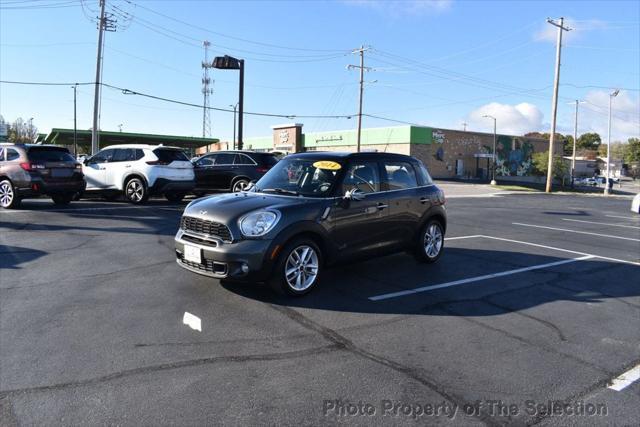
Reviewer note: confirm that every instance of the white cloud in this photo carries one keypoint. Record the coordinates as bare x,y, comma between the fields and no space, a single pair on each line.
510,119
593,115
403,7
549,33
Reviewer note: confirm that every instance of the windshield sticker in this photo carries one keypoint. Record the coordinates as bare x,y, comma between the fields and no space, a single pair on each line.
328,165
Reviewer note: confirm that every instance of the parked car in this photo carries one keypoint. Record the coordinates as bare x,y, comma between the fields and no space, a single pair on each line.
313,210
29,170
230,170
139,171
635,204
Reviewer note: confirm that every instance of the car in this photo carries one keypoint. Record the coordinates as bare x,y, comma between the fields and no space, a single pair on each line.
31,170
310,211
635,204
230,170
139,171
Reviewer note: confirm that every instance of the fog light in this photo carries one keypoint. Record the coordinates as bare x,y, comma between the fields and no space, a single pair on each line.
245,268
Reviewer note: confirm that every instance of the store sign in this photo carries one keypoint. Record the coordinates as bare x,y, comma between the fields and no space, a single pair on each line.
438,136
283,142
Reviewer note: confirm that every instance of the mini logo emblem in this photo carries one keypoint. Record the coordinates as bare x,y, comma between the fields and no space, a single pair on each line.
203,212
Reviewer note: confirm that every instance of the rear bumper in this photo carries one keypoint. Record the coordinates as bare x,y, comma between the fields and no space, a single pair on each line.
164,185
38,186
226,260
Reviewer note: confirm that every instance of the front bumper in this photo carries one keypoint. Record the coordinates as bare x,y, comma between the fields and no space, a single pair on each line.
163,185
244,260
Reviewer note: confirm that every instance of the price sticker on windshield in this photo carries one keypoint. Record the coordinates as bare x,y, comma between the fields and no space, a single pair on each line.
328,165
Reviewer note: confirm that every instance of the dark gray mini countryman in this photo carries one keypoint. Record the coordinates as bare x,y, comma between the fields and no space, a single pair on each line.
312,210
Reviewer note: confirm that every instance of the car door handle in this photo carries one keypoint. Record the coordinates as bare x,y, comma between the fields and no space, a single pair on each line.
381,206
424,200
127,166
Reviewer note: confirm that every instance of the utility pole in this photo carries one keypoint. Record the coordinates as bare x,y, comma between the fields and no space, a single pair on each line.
206,91
493,163
362,70
234,124
464,126
575,140
554,102
105,23
606,183
75,122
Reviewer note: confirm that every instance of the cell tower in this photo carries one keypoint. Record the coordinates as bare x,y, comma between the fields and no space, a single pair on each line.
206,91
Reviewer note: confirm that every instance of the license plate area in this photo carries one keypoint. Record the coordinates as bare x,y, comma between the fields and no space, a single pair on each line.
193,254
61,173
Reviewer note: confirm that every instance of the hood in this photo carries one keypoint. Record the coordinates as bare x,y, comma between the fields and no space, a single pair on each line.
227,208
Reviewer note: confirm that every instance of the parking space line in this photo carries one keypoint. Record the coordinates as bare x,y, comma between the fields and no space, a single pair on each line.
601,223
575,231
477,278
624,217
461,237
625,379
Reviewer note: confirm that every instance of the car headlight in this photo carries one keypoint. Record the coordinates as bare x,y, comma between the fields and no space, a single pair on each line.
258,223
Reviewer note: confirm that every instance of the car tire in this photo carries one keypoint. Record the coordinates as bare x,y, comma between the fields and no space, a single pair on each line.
302,278
8,197
77,196
174,197
136,191
239,185
430,242
62,199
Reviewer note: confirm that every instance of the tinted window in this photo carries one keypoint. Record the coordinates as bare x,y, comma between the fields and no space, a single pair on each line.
139,154
363,176
49,154
206,161
124,155
13,154
1,154
400,175
269,160
103,156
300,176
241,159
424,174
169,155
225,159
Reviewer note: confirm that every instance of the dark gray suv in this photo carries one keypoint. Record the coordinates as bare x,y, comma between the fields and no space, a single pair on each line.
312,210
30,170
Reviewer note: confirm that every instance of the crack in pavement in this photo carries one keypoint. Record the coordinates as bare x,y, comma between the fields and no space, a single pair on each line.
171,366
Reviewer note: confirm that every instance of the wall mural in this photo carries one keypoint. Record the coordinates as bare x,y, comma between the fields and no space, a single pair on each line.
513,157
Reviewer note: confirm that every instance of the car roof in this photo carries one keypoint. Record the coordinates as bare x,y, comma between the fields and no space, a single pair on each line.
141,146
237,151
27,145
343,155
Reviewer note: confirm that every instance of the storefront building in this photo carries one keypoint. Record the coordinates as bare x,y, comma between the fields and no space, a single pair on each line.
447,153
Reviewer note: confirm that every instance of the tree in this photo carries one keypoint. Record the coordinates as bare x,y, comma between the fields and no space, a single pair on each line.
21,131
589,141
568,145
632,153
540,163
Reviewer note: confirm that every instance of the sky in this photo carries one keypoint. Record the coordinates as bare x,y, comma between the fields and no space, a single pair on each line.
442,63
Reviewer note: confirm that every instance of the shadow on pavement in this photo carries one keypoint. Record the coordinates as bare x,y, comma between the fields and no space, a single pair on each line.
12,256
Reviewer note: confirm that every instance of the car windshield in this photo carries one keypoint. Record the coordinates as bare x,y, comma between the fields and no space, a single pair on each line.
300,177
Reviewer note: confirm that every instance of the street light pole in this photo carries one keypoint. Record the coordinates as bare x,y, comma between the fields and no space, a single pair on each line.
75,122
606,183
240,104
234,124
493,172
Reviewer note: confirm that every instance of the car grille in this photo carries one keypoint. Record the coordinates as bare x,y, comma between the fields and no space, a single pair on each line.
202,226
208,265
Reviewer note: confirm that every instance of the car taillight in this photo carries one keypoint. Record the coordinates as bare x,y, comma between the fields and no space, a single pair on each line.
31,166
78,166
261,169
157,162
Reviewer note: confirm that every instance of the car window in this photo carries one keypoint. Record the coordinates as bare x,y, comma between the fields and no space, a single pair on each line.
207,160
138,154
103,156
269,160
308,177
49,154
124,155
363,176
242,159
1,154
168,155
400,175
423,174
12,154
225,159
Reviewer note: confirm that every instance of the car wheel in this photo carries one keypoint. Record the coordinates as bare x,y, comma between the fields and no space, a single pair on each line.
77,196
174,197
431,242
62,199
8,197
240,185
298,269
135,191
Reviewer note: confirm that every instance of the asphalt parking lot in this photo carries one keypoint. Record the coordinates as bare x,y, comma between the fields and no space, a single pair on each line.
535,301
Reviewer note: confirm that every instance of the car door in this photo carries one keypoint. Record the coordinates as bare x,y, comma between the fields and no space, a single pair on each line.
245,166
94,169
358,226
203,170
223,171
400,180
116,169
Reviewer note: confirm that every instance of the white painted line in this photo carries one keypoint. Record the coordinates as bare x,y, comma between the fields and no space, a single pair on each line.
476,279
192,321
624,217
578,232
602,223
461,237
623,261
625,379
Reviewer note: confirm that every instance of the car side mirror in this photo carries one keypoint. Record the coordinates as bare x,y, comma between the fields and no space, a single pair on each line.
87,161
354,194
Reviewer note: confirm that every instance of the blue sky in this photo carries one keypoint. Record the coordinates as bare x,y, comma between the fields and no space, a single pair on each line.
437,63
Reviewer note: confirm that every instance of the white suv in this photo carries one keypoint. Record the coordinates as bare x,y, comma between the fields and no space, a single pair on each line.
139,171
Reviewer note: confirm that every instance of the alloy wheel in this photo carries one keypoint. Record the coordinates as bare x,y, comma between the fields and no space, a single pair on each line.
301,268
135,191
6,194
240,185
433,240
